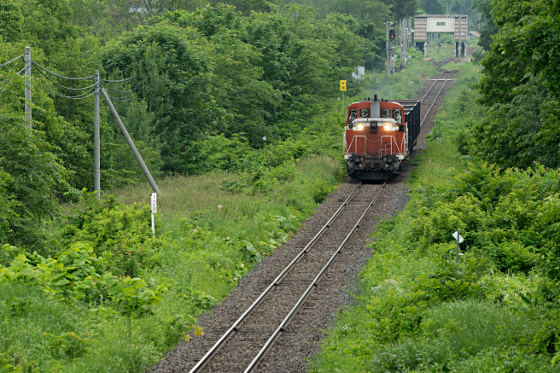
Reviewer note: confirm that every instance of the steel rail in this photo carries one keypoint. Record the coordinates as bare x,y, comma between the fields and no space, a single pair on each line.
442,62
430,89
437,96
303,298
202,362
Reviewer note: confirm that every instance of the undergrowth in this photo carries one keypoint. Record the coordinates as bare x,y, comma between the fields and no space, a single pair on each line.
496,309
105,295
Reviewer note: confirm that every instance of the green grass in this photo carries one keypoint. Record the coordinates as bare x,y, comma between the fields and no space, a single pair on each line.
207,239
400,86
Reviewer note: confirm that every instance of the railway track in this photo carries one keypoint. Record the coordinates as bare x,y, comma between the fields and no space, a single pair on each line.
301,338
439,64
434,93
244,345
249,341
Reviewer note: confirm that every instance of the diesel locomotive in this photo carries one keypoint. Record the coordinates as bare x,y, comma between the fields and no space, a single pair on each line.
379,137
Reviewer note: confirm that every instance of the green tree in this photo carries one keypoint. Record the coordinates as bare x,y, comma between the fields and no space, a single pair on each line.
247,6
432,6
521,85
31,177
488,28
11,20
171,67
401,9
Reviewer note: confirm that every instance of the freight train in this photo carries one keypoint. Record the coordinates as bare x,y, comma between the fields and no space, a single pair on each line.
379,137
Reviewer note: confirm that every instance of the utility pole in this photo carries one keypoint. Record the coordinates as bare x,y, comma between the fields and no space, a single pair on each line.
96,140
27,59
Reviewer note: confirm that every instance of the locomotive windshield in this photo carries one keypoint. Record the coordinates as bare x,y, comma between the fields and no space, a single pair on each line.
397,116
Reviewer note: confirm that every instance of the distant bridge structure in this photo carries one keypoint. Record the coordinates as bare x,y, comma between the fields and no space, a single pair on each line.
428,28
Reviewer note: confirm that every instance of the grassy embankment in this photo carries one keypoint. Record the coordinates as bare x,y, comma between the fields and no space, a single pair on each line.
120,300
494,311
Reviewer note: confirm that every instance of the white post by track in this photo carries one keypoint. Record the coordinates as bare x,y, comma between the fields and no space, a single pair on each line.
459,239
154,210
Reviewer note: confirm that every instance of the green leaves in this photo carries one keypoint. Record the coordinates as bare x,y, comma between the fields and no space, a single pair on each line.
521,85
78,275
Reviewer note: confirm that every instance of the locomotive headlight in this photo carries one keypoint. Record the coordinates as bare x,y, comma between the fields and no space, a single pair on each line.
387,126
360,126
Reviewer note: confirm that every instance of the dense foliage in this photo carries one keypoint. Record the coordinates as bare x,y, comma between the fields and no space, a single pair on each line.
520,86
210,82
203,71
492,306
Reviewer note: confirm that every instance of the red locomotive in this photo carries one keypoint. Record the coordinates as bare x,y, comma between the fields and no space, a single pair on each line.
379,137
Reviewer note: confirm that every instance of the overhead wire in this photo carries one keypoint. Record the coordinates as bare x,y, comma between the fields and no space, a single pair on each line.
13,77
64,87
117,90
9,62
77,97
116,81
90,90
120,99
61,76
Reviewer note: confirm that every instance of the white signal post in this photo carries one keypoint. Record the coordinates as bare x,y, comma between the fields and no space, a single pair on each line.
154,210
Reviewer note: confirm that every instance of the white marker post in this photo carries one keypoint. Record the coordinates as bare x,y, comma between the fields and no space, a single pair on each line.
154,210
459,240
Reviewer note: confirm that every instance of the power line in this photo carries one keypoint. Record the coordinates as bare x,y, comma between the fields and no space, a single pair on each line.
64,87
61,76
116,81
121,99
117,90
9,62
12,79
77,97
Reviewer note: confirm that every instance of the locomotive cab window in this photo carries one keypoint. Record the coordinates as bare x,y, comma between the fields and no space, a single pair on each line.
364,113
397,116
353,115
386,113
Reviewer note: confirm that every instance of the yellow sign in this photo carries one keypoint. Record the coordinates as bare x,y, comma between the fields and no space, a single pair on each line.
343,85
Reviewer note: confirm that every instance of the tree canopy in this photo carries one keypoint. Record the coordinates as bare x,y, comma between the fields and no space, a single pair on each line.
521,85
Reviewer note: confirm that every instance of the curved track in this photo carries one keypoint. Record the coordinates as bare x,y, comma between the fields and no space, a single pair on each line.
253,334
297,341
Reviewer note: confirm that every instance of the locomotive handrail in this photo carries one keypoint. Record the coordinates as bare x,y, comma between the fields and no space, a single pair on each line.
371,120
393,139
356,144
